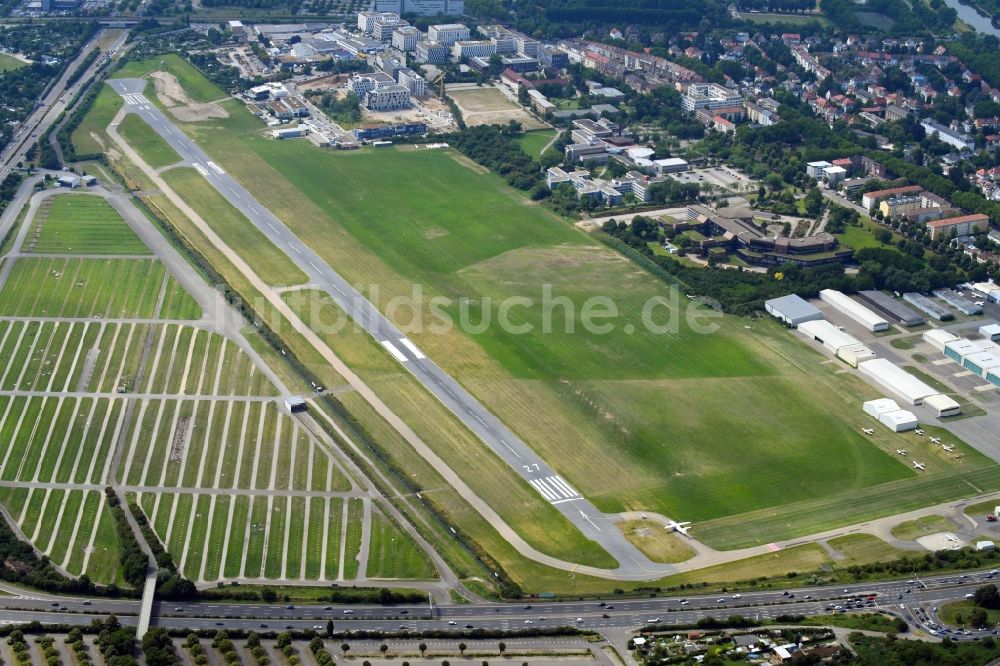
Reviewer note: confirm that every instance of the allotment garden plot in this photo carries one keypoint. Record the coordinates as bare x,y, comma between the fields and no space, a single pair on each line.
111,374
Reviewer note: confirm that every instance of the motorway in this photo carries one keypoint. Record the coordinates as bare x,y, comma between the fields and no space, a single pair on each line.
54,102
914,600
633,565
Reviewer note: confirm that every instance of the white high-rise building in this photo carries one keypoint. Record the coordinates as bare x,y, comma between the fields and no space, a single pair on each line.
447,33
422,7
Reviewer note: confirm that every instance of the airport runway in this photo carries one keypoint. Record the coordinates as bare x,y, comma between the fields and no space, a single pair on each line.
545,480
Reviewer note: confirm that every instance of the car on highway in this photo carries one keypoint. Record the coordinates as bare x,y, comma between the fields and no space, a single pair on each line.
605,616
468,626
579,620
348,611
263,626
737,596
528,622
88,602
317,627
720,600
452,623
655,620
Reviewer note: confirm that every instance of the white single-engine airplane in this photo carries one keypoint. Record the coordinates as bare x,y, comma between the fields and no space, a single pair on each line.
902,452
948,447
919,465
935,440
868,431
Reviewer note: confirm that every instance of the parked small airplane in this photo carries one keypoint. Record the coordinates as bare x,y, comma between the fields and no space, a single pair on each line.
919,465
935,440
919,432
948,447
902,452
868,431
681,528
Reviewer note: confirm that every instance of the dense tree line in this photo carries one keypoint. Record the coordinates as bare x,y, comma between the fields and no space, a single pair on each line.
22,565
158,648
889,651
133,559
21,89
115,642
170,584
563,18
496,148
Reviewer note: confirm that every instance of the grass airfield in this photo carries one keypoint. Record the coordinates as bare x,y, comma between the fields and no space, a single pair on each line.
748,432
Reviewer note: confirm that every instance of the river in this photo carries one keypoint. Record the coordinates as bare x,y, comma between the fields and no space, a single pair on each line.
973,18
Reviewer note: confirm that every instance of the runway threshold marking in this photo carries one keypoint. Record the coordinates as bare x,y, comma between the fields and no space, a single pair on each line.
216,168
412,347
554,489
391,348
200,169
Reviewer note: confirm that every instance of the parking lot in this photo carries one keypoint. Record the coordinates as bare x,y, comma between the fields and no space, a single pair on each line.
723,177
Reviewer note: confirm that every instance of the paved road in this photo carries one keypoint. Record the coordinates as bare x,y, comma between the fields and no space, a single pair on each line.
545,480
53,102
914,600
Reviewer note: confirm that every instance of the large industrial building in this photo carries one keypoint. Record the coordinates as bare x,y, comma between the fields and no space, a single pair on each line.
421,7
844,346
792,309
894,379
848,306
886,305
889,414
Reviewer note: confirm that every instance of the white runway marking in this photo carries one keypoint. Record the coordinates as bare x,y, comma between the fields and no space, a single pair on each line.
398,355
314,265
509,448
216,168
200,169
554,489
254,210
297,250
412,347
136,99
273,228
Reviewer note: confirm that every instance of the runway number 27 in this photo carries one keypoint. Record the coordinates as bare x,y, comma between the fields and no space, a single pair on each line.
531,468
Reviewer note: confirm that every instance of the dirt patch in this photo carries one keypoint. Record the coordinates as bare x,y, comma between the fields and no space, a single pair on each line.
170,92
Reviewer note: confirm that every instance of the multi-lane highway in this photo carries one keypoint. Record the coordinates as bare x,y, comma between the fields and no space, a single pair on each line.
543,478
914,600
55,101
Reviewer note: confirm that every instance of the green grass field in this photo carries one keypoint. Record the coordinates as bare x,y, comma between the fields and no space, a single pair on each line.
82,287
465,236
393,554
533,142
150,146
80,224
197,86
90,137
725,429
913,529
9,62
268,261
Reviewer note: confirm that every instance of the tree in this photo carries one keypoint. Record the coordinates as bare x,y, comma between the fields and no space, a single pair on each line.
461,648
987,597
344,647
977,617
423,648
383,649
329,628
502,647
